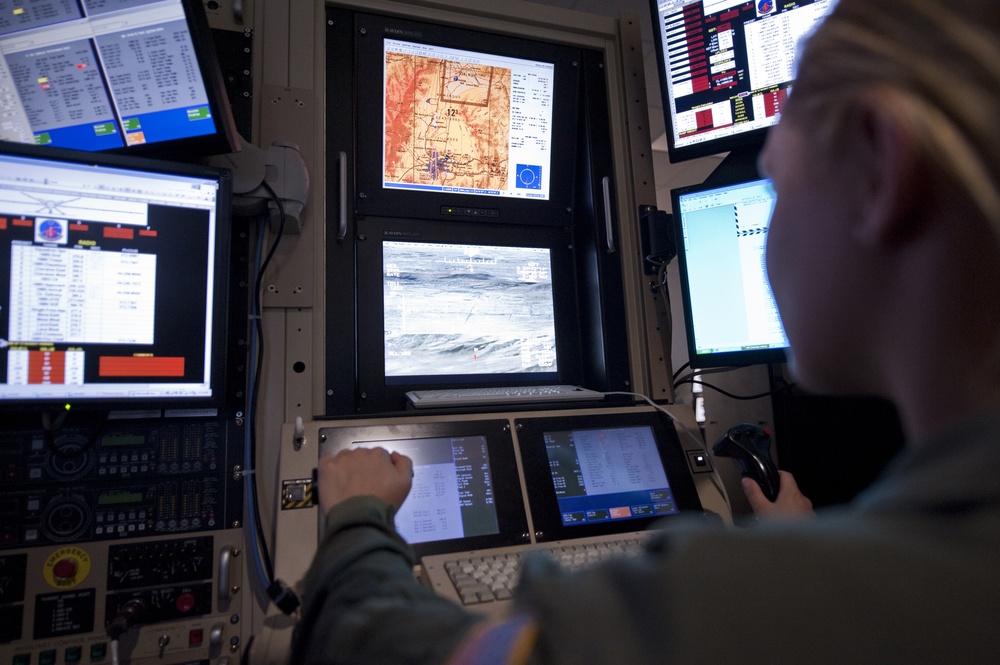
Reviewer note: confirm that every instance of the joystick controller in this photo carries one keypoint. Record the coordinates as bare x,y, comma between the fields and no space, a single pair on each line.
750,446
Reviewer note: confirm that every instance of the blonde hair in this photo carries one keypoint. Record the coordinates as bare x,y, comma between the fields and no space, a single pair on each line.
942,59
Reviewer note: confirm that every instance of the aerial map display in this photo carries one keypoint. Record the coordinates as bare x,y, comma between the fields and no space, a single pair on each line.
465,122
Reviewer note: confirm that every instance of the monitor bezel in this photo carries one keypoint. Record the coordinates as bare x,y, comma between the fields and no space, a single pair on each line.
512,525
218,352
741,358
370,198
544,507
382,394
224,139
750,139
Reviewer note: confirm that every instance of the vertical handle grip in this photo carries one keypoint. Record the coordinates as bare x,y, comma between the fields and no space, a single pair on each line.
342,213
224,587
608,226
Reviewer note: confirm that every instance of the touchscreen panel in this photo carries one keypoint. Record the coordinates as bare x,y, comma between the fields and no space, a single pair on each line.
452,492
466,491
600,474
607,473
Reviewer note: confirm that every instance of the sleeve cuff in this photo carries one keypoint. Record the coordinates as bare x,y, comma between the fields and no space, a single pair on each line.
363,511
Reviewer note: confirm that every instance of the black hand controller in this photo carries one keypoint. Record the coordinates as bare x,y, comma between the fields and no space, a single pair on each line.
750,446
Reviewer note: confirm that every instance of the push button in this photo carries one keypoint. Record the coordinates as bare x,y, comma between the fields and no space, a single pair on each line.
184,602
64,569
699,461
99,651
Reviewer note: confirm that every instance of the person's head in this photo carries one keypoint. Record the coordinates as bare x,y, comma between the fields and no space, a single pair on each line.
891,126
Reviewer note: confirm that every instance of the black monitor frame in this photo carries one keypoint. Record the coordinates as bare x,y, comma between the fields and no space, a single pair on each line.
222,382
223,138
370,198
508,498
750,138
545,512
382,394
739,171
594,285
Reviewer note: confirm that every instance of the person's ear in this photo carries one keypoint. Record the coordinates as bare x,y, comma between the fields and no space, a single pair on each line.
889,168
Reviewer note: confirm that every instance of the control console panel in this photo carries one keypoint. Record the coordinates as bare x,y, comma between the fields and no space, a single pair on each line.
56,601
132,479
138,520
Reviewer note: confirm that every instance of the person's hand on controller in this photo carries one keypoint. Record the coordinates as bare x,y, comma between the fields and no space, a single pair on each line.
770,491
790,502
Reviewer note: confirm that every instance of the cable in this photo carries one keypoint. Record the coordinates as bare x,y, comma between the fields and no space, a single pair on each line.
679,370
700,372
247,648
277,591
256,339
255,389
694,380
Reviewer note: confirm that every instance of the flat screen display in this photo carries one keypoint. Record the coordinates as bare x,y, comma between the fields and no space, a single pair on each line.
112,279
454,309
603,473
452,495
466,491
726,68
126,75
609,473
464,122
451,123
730,313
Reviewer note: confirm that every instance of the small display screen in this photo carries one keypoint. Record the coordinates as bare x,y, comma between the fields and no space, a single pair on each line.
463,122
607,474
452,495
117,498
130,440
466,491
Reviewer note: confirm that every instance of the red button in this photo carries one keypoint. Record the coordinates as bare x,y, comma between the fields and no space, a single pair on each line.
196,637
64,569
184,602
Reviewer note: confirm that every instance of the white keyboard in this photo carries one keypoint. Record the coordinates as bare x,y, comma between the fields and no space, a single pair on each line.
427,399
486,578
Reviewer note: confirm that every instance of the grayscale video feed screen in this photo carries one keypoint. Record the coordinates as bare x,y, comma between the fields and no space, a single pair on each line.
453,309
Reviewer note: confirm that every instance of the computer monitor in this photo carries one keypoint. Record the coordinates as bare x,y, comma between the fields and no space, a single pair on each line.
444,308
604,473
136,76
729,311
461,142
457,309
113,281
466,491
726,68
458,124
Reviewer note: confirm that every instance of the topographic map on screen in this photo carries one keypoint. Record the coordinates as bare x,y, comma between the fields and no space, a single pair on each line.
447,123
